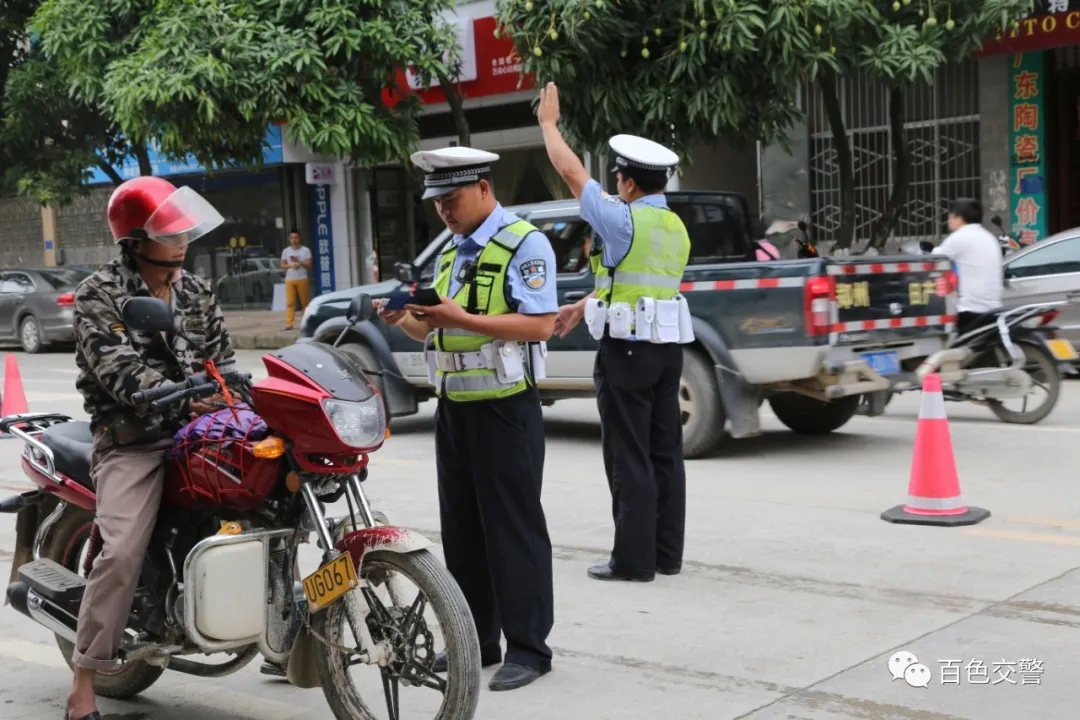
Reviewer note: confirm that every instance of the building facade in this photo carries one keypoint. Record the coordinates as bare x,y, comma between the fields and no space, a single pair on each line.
393,224
358,221
1001,126
1030,86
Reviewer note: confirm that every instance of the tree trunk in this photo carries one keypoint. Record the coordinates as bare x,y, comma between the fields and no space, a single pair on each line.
110,171
144,159
846,234
457,108
901,176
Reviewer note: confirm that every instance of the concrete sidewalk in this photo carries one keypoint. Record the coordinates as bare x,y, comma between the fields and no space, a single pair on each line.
259,329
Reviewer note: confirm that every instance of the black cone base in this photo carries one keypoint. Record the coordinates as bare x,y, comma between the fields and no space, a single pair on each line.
900,516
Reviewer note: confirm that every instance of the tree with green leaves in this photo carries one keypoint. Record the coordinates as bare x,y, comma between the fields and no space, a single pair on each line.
688,71
900,43
208,78
51,140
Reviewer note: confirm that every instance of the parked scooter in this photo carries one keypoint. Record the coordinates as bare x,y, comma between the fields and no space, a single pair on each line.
1008,355
244,487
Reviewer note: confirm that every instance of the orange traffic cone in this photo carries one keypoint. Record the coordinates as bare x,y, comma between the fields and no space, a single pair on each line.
14,399
934,487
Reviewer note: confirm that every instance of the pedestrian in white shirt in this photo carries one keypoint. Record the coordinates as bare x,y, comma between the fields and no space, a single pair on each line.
976,256
295,261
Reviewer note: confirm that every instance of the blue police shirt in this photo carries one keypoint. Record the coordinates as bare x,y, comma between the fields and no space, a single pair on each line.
610,219
530,278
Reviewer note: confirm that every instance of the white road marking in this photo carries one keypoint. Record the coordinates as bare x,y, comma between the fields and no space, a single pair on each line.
955,423
205,693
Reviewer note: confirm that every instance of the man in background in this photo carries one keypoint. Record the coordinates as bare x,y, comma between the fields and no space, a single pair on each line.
976,257
295,261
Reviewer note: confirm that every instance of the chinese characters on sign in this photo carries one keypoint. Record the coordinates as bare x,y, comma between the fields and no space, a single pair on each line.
1027,136
905,666
852,295
323,235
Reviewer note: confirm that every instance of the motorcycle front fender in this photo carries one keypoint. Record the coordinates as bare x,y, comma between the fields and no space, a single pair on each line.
359,543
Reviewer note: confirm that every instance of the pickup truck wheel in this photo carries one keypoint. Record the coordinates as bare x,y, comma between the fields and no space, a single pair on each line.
808,416
365,358
703,416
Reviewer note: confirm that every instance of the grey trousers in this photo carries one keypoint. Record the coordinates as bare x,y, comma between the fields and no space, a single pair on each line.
128,481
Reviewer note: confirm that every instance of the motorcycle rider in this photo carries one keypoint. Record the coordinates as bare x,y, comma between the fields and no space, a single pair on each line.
976,256
152,221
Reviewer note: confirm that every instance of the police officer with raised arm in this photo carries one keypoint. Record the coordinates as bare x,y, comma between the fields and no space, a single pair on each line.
639,318
485,348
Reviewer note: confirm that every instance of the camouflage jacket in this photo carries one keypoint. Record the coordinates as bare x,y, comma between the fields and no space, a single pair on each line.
115,361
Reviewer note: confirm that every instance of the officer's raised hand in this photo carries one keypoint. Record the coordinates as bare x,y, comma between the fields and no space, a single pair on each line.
548,112
446,315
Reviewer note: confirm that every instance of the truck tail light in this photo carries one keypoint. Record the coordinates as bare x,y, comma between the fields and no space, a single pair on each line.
66,300
817,303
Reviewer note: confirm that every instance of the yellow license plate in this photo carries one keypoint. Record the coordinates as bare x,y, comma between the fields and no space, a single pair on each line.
330,582
1062,349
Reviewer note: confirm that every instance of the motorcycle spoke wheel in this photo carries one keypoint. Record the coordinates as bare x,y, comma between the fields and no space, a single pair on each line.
391,689
1045,385
427,612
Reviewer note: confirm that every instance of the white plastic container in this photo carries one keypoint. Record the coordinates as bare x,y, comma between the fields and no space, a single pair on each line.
230,591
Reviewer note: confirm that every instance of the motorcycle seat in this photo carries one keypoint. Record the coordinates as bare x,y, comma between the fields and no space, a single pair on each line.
71,444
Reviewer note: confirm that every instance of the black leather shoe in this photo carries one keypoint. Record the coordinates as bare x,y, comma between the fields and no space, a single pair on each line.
92,716
669,571
441,665
604,572
511,677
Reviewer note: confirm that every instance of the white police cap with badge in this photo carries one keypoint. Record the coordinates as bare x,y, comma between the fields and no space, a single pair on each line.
450,168
633,152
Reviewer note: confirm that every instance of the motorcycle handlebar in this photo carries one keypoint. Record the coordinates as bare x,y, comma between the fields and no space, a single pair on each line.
170,392
204,389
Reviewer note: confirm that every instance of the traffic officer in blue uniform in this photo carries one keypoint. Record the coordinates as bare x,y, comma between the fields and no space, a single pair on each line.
485,345
644,251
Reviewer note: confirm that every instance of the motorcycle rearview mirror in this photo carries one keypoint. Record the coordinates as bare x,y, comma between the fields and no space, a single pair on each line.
360,309
996,220
147,314
406,273
802,225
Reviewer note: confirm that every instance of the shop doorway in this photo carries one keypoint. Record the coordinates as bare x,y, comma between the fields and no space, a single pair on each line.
1063,137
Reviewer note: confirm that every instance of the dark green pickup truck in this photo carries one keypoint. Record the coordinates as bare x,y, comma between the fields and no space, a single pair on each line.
817,338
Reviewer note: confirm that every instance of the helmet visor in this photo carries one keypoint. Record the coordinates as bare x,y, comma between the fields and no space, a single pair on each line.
184,217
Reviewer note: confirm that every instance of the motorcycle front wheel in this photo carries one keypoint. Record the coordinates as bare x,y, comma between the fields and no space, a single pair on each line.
411,636
1045,375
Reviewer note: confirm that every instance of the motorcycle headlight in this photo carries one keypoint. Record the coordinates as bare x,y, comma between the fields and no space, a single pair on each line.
358,424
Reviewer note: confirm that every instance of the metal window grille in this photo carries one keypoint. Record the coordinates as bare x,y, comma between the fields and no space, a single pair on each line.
942,129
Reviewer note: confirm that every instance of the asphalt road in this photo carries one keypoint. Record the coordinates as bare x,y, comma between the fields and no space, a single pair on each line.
794,596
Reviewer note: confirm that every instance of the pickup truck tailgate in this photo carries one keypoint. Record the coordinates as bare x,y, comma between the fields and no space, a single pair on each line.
891,301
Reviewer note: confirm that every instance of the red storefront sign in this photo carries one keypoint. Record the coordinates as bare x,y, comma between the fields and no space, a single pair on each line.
498,70
1040,32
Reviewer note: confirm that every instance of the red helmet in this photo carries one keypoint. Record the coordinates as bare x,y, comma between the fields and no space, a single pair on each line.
160,211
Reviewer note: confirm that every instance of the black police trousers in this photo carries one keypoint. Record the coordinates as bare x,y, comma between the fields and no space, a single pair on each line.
490,460
637,393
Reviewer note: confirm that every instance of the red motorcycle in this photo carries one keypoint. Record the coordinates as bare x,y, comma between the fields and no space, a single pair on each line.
245,486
